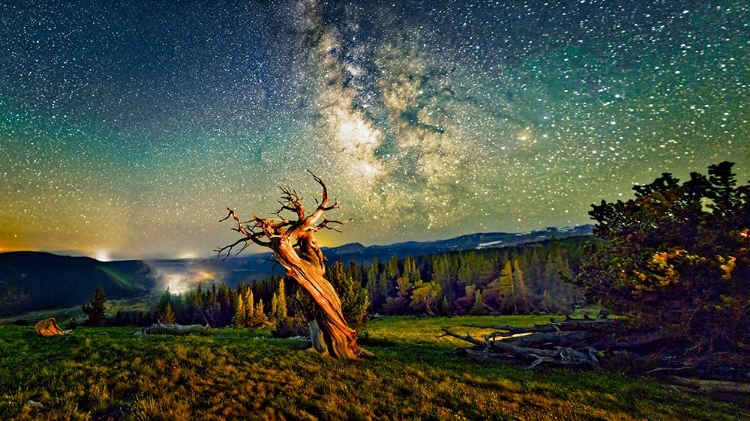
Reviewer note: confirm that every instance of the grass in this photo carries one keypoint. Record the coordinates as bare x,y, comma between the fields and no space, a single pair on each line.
110,373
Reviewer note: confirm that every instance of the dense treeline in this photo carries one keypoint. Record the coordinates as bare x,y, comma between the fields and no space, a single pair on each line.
518,280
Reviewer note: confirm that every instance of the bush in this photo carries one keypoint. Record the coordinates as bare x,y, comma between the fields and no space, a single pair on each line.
290,327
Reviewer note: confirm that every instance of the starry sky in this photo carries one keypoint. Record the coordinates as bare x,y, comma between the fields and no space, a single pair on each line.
126,128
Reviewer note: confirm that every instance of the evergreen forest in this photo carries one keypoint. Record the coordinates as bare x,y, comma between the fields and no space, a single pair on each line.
527,279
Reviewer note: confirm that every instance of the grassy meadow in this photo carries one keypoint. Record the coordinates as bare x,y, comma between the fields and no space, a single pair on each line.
110,373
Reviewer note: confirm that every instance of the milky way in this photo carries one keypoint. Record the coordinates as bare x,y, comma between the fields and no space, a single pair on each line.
126,129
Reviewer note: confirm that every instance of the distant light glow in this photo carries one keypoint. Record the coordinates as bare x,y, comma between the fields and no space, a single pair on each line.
177,283
102,256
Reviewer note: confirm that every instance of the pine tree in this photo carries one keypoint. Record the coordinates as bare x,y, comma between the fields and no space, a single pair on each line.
478,307
239,313
506,289
164,300
167,317
519,287
259,317
199,295
376,285
274,305
278,304
249,306
95,307
445,307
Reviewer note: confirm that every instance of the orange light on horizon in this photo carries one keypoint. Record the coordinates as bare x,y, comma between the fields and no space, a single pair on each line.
102,255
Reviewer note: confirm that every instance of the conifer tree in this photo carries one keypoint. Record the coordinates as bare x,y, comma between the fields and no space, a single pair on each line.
95,307
278,303
167,317
293,243
445,307
478,307
519,287
249,306
676,257
506,288
239,313
259,316
164,300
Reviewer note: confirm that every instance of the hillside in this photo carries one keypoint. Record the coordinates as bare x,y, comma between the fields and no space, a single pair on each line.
242,374
32,281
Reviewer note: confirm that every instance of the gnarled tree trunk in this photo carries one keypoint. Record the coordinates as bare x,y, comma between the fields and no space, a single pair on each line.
296,249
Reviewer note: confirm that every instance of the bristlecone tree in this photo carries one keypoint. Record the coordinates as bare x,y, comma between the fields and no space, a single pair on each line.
296,249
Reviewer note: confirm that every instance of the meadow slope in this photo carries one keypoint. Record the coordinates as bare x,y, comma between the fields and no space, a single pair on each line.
112,374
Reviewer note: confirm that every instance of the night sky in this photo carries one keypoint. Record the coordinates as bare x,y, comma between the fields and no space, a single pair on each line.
126,128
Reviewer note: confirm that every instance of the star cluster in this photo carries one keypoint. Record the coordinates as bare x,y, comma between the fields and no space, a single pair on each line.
125,129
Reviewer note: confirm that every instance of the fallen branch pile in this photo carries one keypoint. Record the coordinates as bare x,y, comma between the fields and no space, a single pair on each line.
606,343
568,342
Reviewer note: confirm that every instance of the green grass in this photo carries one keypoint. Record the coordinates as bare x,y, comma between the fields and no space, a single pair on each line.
110,373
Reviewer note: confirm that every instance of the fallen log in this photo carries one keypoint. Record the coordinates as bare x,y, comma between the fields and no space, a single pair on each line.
608,344
49,327
710,386
542,340
554,326
174,329
504,349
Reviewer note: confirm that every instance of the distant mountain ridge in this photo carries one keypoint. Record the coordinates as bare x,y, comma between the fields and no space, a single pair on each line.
32,281
358,252
253,266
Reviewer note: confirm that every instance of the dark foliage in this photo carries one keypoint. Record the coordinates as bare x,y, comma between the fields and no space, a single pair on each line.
95,308
676,257
290,327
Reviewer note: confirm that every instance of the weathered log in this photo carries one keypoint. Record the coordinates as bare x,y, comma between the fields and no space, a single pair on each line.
467,338
710,386
554,326
48,327
584,342
545,340
503,349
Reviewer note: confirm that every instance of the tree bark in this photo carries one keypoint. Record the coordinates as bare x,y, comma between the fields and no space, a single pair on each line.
316,337
339,338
